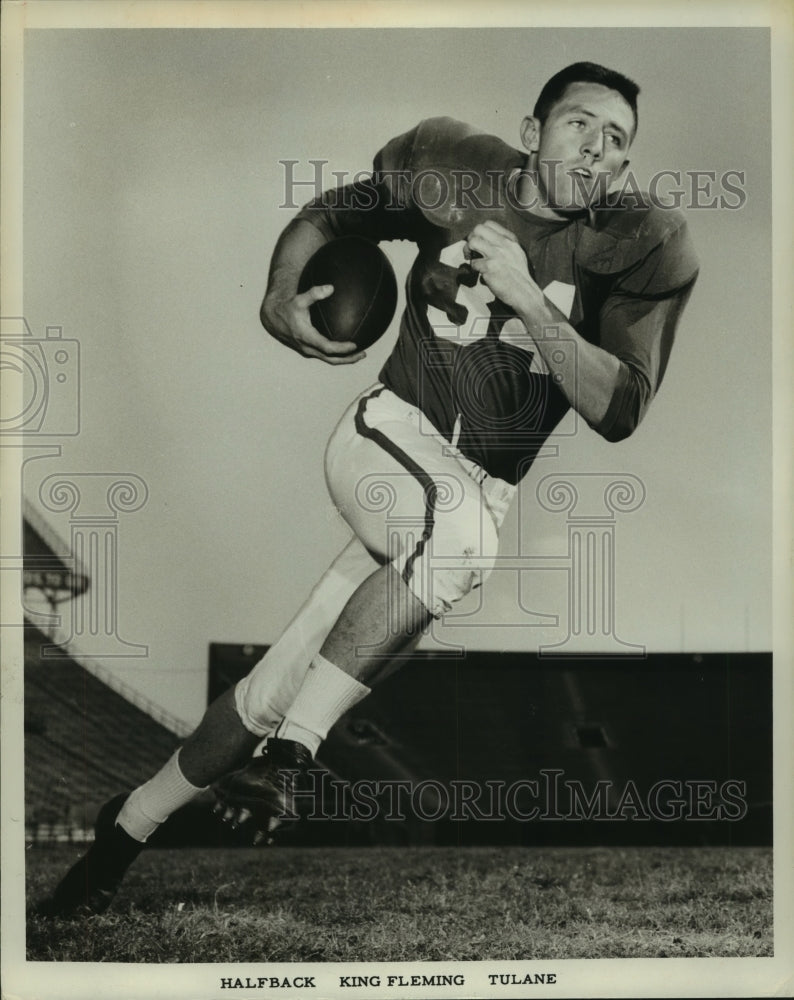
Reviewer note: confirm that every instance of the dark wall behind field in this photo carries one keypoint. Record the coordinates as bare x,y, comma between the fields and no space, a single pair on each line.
680,744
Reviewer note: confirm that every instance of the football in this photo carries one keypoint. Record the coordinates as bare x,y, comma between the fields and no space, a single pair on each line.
365,290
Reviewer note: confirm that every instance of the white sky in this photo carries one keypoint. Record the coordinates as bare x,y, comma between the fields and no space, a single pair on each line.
152,186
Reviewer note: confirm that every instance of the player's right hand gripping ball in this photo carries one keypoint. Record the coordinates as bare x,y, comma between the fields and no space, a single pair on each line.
365,290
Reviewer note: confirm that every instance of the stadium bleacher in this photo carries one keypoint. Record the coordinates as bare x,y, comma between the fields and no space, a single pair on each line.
84,742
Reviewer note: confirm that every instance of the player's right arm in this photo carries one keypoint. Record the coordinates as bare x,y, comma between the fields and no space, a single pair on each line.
285,313
375,208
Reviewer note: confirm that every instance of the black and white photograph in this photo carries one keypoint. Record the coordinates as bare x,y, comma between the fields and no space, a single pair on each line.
396,442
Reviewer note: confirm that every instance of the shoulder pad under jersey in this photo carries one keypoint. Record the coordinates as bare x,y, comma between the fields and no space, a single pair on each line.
450,164
643,239
445,142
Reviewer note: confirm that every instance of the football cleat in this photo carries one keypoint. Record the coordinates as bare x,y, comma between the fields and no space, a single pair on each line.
264,789
88,888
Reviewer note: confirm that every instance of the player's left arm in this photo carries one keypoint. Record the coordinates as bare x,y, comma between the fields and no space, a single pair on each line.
612,384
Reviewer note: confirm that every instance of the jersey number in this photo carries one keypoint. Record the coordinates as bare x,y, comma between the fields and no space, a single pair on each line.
476,301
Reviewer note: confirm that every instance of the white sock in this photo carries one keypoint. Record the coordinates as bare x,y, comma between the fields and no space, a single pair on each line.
325,695
152,803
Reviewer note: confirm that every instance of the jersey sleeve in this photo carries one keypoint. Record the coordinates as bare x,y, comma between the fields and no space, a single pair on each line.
637,324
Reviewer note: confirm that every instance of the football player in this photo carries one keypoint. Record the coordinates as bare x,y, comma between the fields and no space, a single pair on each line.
534,290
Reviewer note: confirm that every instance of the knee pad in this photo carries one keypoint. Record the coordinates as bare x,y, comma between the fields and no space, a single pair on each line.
263,696
457,558
256,717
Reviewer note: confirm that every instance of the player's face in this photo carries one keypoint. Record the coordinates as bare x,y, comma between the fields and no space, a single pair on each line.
582,146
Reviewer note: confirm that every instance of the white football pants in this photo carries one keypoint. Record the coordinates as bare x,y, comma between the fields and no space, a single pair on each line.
411,499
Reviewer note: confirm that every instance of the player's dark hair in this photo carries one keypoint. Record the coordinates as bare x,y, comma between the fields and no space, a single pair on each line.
585,72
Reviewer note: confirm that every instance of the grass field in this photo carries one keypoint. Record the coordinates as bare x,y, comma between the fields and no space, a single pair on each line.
387,904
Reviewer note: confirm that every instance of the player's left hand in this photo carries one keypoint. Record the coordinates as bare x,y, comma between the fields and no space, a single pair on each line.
503,266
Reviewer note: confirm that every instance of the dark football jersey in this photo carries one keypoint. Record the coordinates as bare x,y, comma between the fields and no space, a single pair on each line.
619,275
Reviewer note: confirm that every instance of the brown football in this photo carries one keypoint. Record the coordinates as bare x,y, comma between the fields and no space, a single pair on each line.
365,290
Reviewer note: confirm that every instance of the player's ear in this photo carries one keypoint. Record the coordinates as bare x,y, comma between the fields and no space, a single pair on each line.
530,133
